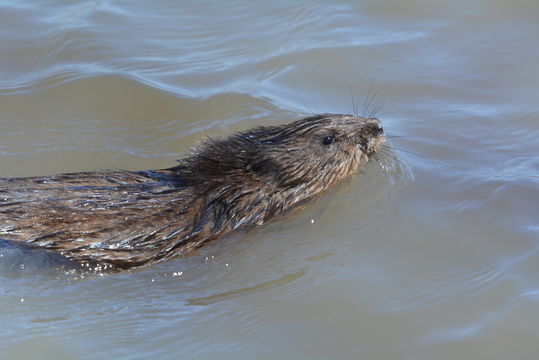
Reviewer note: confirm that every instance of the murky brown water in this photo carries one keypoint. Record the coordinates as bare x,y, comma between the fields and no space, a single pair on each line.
440,264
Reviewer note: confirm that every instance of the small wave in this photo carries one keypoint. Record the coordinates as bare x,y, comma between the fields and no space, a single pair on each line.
442,288
19,259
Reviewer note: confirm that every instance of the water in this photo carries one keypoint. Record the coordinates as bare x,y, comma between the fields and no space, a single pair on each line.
441,263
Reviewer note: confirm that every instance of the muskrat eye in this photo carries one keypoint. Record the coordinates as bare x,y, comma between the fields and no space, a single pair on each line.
328,140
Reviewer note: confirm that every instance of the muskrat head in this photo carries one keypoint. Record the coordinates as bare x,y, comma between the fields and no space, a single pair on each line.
310,154
316,151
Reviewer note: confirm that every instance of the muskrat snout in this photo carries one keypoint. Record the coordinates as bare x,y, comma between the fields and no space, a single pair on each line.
373,128
371,135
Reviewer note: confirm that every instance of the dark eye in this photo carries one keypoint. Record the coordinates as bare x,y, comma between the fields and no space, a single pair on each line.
328,140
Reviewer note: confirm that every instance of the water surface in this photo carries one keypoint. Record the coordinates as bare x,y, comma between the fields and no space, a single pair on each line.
441,262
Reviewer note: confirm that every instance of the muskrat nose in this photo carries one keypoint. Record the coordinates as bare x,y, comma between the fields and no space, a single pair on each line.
373,127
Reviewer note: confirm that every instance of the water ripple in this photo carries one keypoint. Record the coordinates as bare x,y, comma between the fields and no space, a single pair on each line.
443,288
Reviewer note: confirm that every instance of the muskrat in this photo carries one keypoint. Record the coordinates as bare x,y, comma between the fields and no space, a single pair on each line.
123,219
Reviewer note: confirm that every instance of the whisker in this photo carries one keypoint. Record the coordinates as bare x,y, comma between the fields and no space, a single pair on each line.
373,102
354,104
368,99
305,105
410,152
400,136
377,111
394,170
387,153
419,155
376,106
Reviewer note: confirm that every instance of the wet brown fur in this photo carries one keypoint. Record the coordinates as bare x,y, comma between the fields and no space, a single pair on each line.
123,219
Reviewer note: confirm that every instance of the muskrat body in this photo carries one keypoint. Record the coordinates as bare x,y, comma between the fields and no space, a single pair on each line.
124,219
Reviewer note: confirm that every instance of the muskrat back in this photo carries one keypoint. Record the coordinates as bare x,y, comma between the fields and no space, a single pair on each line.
123,219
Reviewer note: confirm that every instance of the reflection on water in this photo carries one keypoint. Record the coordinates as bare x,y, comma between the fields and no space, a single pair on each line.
285,279
429,252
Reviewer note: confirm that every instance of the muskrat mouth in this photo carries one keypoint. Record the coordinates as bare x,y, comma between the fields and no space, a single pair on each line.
362,144
370,146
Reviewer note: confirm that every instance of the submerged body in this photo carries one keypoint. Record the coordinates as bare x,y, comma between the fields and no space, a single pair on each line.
123,219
